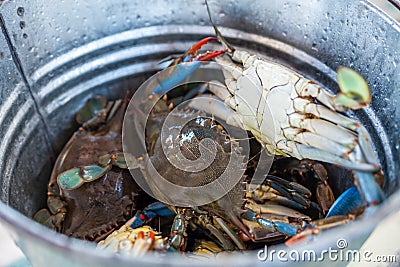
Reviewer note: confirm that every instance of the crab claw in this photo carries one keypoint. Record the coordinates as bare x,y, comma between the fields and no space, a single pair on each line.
93,108
210,55
156,209
44,217
355,93
348,202
76,177
284,228
193,50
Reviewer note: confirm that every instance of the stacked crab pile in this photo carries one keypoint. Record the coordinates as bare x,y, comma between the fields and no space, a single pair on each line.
92,196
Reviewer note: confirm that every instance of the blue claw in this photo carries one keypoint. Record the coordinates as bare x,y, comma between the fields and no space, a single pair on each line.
178,74
286,229
349,201
290,190
186,65
152,211
372,192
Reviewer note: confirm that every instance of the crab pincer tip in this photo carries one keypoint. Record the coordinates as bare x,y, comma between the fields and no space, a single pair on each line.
193,50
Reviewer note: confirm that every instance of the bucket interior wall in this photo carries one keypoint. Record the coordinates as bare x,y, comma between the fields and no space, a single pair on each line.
55,55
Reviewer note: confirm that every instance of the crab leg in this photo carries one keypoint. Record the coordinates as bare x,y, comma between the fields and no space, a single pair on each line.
177,239
326,126
365,144
284,228
217,108
178,232
323,148
291,190
320,131
370,190
304,106
342,136
304,151
254,83
204,220
262,195
179,72
276,210
156,209
295,187
230,233
306,88
315,228
143,244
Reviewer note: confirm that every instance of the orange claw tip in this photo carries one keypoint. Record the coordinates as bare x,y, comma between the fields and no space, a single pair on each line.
210,55
200,43
140,235
152,235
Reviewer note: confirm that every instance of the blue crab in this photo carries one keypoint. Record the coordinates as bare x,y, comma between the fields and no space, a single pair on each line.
287,113
91,192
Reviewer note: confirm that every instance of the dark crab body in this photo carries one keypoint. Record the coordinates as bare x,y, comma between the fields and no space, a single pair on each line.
238,219
96,208
222,218
190,138
188,142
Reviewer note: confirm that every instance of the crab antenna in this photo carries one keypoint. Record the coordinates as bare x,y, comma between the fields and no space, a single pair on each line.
217,32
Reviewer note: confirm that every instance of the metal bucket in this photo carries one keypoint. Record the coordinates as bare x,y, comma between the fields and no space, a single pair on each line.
56,54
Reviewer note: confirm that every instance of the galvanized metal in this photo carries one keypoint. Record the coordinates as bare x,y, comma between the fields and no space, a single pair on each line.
56,54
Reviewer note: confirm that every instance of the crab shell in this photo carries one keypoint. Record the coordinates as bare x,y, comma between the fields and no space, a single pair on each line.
228,206
97,208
